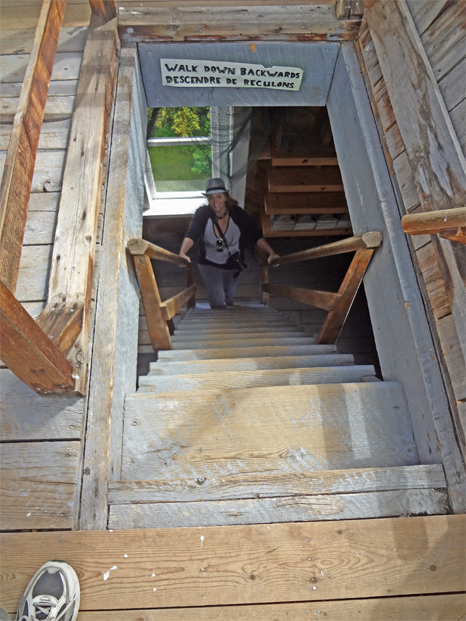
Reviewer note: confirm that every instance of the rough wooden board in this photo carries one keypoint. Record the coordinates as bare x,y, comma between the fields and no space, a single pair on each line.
384,107
248,379
369,558
114,369
424,123
421,608
435,284
372,63
245,352
248,343
301,203
288,429
48,170
66,67
458,116
405,179
14,16
275,485
265,511
39,481
54,135
326,179
222,335
20,41
394,141
33,273
58,88
448,333
25,415
445,39
55,108
426,12
453,86
250,364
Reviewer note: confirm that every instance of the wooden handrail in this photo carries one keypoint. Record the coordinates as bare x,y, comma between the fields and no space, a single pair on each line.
158,313
337,304
444,222
372,239
141,246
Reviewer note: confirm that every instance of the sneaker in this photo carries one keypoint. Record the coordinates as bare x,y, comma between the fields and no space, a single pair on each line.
52,595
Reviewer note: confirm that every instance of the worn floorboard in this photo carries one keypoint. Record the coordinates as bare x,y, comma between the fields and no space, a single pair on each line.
215,566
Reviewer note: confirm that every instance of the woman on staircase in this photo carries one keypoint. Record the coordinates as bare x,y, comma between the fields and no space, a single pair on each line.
222,228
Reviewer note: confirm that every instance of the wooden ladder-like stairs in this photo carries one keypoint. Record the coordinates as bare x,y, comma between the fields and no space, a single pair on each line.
248,421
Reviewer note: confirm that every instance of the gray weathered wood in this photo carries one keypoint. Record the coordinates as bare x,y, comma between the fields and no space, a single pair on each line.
48,170
263,485
114,370
25,415
250,364
248,379
248,342
66,67
54,135
19,41
40,481
273,429
406,352
233,335
264,511
425,125
245,352
55,108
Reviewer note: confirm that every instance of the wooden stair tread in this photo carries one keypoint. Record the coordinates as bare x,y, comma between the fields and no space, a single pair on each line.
354,559
234,336
327,179
273,429
247,379
235,343
244,352
249,364
264,485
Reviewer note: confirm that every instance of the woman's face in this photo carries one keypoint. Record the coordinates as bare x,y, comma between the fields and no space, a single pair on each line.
218,203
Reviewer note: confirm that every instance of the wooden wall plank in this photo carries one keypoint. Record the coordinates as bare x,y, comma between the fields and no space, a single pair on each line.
426,12
33,273
426,128
19,41
421,608
39,481
22,148
55,108
28,416
114,370
367,558
67,66
74,249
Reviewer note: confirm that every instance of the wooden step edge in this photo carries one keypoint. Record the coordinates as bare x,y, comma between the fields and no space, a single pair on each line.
222,352
240,344
259,485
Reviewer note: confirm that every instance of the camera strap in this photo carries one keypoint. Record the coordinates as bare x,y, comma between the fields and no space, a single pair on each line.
222,236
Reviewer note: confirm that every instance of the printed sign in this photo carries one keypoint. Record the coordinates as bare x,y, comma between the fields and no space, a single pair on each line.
211,73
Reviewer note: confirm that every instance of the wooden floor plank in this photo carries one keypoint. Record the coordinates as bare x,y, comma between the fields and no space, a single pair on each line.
39,482
211,432
418,608
245,352
246,564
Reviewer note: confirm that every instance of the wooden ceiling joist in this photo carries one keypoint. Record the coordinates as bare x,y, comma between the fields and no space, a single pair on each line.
21,156
224,22
105,9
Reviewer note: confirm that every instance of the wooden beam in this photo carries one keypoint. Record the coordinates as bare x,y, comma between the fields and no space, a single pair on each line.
62,324
140,247
432,222
158,330
75,237
300,160
320,299
302,203
19,165
265,297
237,22
400,556
190,283
362,242
104,9
28,352
349,9
331,328
326,179
171,306
432,146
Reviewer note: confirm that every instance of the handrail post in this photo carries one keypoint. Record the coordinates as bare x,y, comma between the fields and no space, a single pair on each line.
265,281
190,283
158,330
332,326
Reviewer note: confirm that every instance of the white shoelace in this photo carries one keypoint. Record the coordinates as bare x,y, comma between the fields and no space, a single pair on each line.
45,607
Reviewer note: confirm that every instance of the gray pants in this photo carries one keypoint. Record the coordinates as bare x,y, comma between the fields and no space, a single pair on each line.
220,285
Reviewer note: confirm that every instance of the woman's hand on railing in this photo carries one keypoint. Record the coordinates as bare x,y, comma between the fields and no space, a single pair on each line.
272,256
184,256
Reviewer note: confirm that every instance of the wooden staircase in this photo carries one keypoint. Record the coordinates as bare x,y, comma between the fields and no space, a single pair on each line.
248,421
